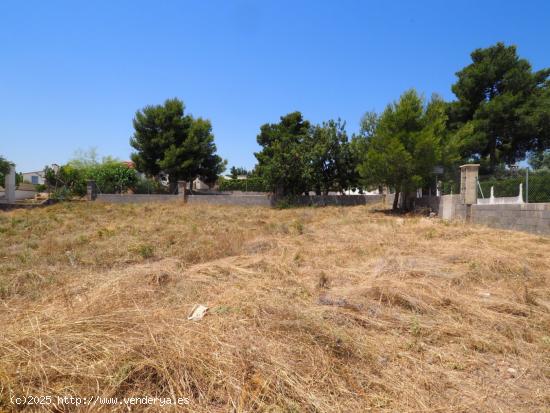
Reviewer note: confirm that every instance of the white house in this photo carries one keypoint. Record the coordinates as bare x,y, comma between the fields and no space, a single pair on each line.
199,184
37,177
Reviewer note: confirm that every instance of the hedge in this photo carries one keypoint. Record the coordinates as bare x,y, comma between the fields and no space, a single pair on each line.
250,185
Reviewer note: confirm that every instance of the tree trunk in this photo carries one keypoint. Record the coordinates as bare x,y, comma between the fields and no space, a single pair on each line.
493,154
395,201
406,204
172,185
318,190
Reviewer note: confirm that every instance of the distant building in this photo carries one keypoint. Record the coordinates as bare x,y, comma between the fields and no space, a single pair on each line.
38,177
199,184
35,177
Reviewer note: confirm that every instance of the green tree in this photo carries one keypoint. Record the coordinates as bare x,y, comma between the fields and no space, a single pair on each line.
368,124
169,141
360,142
405,145
502,111
4,169
238,171
331,161
4,165
540,160
283,161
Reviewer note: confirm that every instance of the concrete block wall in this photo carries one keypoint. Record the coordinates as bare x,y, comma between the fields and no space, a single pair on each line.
534,218
451,207
265,200
336,200
447,206
246,200
268,200
428,202
136,198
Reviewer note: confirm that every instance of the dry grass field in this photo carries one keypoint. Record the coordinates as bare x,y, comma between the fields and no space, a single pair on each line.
310,310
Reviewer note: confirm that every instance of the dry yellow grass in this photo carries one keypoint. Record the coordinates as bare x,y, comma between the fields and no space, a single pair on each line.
311,310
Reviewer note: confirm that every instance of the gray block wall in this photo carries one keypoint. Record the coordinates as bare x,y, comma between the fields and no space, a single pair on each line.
136,198
534,218
246,200
446,206
430,202
336,200
265,200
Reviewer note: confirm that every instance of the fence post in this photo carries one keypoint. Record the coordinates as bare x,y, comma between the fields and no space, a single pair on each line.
182,190
468,187
91,190
527,186
9,185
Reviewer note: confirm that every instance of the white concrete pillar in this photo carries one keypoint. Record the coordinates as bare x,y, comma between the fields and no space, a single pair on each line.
9,185
520,196
468,183
468,187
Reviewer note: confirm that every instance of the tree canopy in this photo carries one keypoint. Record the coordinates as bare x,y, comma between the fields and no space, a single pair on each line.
330,159
4,165
540,160
405,144
282,162
167,140
238,171
298,157
503,106
4,169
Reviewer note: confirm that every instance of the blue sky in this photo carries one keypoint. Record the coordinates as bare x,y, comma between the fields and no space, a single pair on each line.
72,74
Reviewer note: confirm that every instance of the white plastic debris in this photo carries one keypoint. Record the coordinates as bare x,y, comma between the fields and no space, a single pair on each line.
198,312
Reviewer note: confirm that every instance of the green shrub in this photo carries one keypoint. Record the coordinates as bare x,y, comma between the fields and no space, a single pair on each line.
66,182
149,186
250,185
288,201
71,179
539,186
145,251
112,177
61,194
